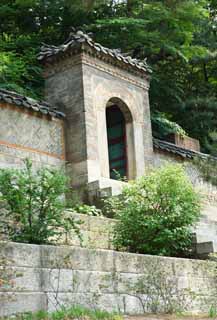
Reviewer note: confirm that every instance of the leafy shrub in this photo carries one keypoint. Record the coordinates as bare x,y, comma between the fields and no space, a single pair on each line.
33,204
163,127
156,213
88,210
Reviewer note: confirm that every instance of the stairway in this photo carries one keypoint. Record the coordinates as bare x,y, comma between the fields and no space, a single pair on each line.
206,232
104,188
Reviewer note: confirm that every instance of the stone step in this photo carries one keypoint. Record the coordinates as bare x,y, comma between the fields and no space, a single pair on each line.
205,248
206,230
104,188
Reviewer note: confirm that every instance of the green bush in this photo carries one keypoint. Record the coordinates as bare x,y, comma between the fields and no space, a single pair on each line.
87,209
156,213
33,204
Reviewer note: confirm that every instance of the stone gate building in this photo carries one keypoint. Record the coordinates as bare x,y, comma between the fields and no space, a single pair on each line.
96,118
95,123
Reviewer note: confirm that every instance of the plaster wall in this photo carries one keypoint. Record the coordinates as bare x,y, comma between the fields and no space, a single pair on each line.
25,134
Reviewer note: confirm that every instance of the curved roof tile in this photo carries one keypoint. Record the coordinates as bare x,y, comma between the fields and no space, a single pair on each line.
176,150
29,103
76,39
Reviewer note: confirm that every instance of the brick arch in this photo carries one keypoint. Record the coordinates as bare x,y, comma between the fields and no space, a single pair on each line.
103,98
122,106
124,97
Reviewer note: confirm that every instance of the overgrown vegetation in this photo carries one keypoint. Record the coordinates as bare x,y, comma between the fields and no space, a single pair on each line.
33,204
213,312
178,38
156,213
76,312
159,292
208,169
87,209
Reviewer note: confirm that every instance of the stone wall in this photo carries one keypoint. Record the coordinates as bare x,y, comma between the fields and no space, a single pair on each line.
96,232
25,134
46,277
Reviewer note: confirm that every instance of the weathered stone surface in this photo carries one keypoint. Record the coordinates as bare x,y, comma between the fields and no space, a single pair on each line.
21,255
22,302
105,279
95,232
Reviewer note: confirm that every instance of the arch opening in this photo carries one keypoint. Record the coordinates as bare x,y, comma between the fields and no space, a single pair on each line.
117,142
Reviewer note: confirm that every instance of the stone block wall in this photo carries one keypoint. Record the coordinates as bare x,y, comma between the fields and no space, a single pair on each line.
25,134
46,277
96,232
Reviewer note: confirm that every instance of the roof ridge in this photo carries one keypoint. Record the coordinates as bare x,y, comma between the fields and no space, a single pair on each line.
49,51
20,100
174,148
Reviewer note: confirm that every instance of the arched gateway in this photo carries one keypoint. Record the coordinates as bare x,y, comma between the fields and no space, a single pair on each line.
120,138
117,144
105,98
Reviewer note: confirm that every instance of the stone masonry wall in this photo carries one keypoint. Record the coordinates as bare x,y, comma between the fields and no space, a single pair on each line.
96,232
25,134
46,277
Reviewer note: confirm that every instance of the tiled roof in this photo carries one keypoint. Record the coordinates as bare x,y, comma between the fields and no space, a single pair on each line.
176,150
77,39
28,103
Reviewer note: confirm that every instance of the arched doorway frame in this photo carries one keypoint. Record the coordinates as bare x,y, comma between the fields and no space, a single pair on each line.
129,135
130,105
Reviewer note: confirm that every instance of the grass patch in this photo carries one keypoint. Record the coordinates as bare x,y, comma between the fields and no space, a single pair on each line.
76,312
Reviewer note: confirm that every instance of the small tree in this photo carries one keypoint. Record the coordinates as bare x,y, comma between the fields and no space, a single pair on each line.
156,212
34,204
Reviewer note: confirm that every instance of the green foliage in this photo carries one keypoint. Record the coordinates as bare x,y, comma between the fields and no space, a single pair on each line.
19,69
158,292
88,210
178,38
162,126
208,169
156,212
213,312
33,205
76,312
202,113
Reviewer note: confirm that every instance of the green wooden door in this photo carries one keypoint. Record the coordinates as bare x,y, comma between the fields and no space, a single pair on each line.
116,142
